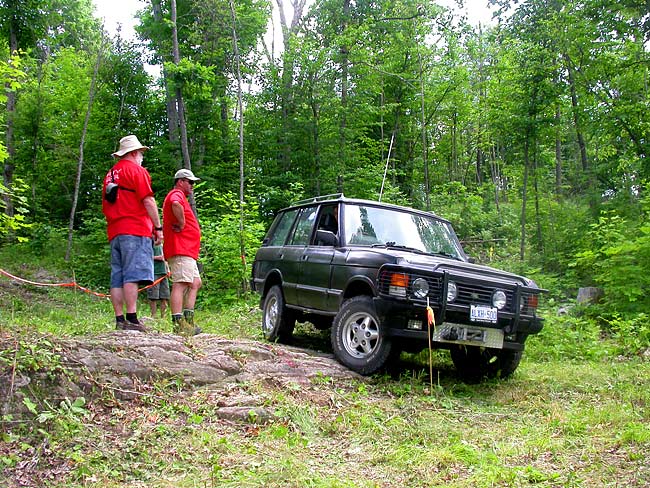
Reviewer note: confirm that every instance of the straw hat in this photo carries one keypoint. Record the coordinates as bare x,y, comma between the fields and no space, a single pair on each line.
128,144
185,173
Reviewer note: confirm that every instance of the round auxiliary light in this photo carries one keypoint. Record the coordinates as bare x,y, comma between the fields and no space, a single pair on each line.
452,291
499,299
420,288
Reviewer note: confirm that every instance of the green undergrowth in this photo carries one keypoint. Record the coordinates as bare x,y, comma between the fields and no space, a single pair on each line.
576,424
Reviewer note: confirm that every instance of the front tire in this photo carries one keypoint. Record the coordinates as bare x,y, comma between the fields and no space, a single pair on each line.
476,363
278,321
358,340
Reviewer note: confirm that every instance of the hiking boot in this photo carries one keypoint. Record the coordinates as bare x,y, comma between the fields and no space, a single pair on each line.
128,325
188,315
182,327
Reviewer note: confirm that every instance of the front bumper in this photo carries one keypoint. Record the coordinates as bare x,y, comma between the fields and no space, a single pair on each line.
408,320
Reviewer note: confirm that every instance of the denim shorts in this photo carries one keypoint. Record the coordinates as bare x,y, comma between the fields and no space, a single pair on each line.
131,260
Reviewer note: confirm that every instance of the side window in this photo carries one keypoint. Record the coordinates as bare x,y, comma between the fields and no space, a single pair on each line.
303,226
329,218
280,231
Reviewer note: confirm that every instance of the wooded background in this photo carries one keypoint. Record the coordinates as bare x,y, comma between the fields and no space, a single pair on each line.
532,136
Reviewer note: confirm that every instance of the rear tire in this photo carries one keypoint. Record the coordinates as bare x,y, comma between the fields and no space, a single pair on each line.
278,321
476,363
358,340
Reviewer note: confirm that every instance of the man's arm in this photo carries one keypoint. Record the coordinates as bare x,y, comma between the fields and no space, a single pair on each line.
179,213
152,209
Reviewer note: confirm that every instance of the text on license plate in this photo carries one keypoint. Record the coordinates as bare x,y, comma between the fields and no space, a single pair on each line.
481,313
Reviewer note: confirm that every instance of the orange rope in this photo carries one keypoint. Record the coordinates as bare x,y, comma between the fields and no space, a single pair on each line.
74,284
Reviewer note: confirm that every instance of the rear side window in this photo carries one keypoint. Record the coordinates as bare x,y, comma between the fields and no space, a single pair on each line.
304,226
281,229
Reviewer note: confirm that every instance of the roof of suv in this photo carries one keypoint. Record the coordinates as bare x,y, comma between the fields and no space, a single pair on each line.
340,198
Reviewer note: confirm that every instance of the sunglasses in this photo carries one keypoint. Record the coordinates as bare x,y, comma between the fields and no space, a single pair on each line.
190,182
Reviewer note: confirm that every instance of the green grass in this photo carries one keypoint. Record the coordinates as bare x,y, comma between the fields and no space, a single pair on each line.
575,414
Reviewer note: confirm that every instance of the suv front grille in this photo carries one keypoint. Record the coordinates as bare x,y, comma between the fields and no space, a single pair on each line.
468,293
481,295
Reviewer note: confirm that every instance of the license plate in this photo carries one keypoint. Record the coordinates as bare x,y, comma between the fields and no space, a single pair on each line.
481,313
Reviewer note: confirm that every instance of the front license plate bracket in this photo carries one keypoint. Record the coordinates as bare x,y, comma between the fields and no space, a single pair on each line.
468,334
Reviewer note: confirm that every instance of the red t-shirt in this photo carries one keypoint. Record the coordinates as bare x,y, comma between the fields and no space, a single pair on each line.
186,242
128,215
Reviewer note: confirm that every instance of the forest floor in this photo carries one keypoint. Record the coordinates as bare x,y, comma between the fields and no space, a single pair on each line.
87,406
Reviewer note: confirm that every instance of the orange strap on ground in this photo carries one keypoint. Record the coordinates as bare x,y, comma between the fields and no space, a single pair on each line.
74,284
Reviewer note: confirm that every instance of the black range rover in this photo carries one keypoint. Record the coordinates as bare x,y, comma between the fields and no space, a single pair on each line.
388,279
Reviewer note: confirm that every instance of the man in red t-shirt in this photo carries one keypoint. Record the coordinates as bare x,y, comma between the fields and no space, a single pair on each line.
132,221
181,250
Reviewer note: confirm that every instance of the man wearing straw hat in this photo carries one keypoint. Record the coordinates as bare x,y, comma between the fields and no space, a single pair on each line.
132,223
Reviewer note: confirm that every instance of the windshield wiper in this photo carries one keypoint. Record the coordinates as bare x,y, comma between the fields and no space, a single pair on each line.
447,255
393,245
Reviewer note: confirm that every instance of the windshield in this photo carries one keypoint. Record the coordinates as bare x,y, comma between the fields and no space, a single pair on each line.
374,226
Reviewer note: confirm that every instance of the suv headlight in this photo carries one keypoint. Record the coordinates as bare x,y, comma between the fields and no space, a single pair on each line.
499,299
420,288
452,291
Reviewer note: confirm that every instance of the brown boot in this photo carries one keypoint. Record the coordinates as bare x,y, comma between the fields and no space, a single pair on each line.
181,327
188,315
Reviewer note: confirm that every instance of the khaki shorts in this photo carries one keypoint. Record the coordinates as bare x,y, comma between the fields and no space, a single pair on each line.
184,269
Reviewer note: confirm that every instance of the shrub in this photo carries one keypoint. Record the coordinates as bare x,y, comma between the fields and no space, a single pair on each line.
225,269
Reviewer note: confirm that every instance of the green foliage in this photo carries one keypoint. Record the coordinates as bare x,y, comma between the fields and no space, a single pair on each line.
91,259
568,338
32,355
631,334
617,258
15,226
225,268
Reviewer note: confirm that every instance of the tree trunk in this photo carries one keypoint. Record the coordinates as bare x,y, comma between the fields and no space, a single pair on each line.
8,172
494,170
172,112
576,116
538,224
524,196
345,68
315,111
423,133
558,152
242,244
179,94
80,163
287,75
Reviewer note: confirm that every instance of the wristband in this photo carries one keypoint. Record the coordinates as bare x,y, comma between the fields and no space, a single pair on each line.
158,228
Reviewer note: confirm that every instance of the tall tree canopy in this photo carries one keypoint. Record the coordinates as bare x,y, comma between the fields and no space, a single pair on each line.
524,133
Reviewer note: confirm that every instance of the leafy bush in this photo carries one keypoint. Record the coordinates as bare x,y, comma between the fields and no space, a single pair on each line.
618,261
225,270
91,260
632,335
15,225
568,338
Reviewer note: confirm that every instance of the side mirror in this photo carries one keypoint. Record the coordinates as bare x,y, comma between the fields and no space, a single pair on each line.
471,259
326,238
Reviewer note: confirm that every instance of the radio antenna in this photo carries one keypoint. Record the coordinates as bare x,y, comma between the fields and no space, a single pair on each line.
390,149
